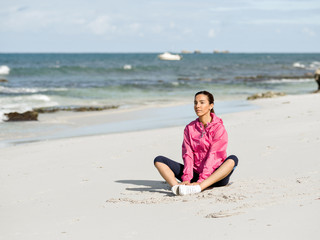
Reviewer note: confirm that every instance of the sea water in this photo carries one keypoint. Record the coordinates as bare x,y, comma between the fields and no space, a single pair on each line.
141,79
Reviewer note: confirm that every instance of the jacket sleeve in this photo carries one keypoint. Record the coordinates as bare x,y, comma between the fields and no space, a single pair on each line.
187,155
217,153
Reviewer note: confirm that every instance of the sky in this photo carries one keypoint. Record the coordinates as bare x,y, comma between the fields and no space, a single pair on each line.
157,26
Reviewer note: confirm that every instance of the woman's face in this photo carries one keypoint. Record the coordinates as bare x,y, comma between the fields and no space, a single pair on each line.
202,105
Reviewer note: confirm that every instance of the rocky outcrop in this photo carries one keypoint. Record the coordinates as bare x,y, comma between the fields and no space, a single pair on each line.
266,95
33,115
184,79
3,80
223,51
317,79
267,77
73,109
26,116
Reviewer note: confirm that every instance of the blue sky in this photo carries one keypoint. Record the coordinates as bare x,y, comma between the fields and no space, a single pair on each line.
157,26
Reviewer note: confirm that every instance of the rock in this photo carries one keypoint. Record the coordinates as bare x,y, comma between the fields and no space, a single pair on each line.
267,77
223,51
46,110
184,79
89,109
26,116
186,52
73,109
266,95
3,80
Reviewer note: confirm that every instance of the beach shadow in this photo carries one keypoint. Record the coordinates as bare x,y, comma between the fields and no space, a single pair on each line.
147,186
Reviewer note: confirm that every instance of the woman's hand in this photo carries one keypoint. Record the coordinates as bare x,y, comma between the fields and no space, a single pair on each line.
184,183
194,183
188,183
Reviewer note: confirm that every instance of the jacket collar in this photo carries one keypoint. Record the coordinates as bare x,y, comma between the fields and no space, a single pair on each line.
214,120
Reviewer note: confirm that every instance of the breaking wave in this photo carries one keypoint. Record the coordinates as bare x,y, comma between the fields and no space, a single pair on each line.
4,70
289,81
312,66
23,103
6,90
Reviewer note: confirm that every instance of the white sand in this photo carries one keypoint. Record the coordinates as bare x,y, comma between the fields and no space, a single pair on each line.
105,187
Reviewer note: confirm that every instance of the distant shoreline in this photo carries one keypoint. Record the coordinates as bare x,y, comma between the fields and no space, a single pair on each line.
202,52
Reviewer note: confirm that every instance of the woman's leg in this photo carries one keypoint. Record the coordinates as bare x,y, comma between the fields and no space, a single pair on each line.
222,174
169,170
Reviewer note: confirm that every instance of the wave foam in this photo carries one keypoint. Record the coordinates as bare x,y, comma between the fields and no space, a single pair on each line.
2,117
43,98
298,65
289,80
127,67
24,103
314,65
28,90
4,70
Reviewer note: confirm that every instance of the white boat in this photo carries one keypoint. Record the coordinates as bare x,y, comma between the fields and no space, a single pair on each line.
170,57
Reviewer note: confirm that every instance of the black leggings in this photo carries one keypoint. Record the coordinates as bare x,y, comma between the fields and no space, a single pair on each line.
177,169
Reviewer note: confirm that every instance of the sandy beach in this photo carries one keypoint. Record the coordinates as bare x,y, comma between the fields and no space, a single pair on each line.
106,187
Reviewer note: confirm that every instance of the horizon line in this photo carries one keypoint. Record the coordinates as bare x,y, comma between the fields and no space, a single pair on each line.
142,52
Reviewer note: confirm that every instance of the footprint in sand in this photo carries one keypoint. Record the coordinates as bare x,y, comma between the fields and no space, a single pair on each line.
221,214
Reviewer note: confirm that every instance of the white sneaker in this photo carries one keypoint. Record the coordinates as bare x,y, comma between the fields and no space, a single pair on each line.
188,189
174,189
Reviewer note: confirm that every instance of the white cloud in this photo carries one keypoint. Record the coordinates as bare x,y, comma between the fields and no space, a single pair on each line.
134,27
309,32
169,22
279,5
157,28
172,25
21,21
284,5
212,33
101,25
187,31
310,20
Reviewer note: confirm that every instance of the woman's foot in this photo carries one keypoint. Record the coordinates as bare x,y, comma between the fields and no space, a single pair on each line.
186,189
175,189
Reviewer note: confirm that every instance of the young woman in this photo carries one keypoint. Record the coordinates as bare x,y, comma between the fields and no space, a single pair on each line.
203,151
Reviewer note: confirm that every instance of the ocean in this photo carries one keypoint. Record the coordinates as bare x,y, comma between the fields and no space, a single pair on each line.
142,79
127,80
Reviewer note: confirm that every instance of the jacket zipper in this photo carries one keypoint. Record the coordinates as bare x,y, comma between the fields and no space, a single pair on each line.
203,131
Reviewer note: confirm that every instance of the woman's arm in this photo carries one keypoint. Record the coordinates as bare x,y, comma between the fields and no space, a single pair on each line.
187,155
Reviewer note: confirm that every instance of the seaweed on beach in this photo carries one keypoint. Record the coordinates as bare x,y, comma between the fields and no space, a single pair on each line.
74,108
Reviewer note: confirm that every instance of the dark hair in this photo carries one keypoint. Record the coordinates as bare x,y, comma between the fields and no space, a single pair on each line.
209,95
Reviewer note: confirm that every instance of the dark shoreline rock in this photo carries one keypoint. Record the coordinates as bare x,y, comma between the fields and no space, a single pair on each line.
3,80
269,94
266,77
33,115
73,109
26,116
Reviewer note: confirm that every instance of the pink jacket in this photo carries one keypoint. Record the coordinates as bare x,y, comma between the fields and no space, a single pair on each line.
203,149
